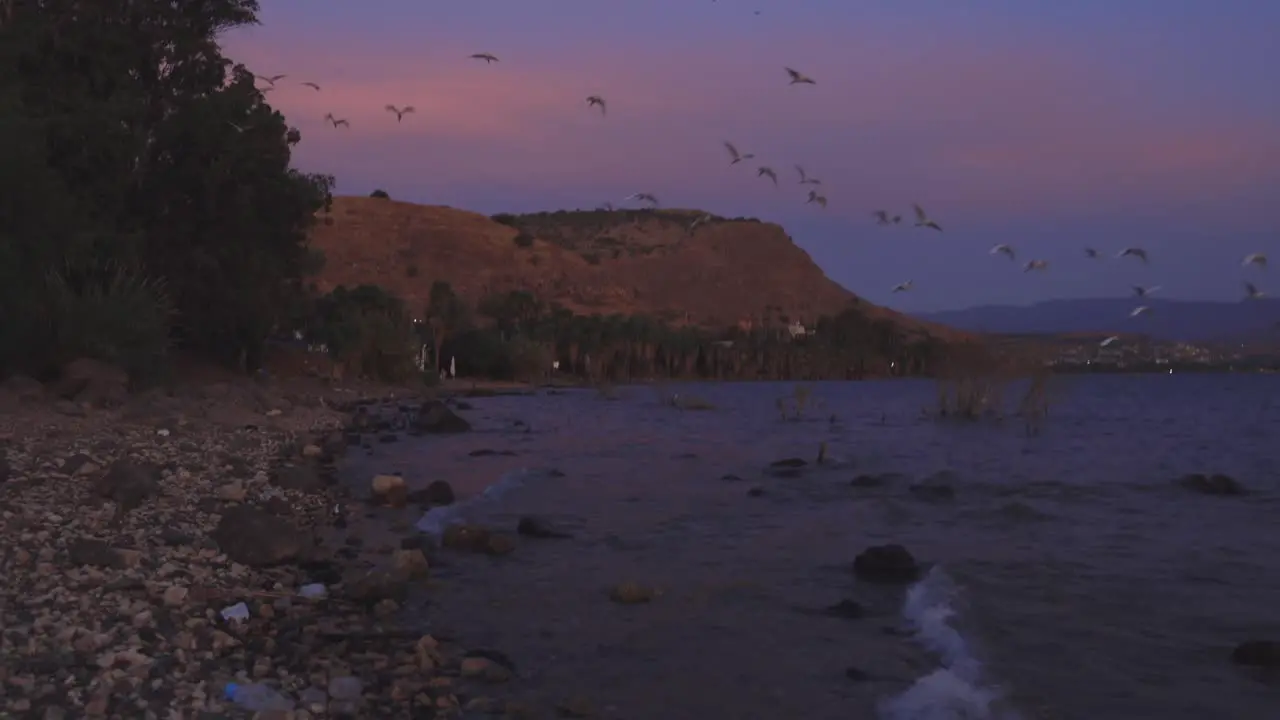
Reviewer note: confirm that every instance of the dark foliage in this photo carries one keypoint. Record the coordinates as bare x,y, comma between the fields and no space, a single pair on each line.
366,329
523,240
146,195
380,194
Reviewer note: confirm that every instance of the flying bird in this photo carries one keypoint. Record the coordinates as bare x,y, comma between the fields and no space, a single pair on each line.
814,197
1035,265
768,172
645,197
597,100
902,287
1255,259
400,112
607,207
881,216
271,80
805,179
1251,292
700,220
1140,310
923,220
897,219
798,77
1109,341
486,57
1003,250
1140,291
1135,252
336,121
736,156
312,85
238,128
1091,253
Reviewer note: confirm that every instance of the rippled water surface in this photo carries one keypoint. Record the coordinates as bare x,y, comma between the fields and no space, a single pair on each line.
1073,579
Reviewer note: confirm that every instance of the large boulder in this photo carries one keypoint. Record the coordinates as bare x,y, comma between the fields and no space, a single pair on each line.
886,564
252,536
1217,484
436,417
94,382
128,483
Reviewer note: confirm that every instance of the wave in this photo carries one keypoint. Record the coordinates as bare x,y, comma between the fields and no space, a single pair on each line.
434,521
956,690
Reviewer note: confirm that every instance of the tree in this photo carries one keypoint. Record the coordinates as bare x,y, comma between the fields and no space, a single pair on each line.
149,153
446,314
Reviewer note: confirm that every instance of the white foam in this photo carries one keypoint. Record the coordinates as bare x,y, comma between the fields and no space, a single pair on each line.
956,690
434,521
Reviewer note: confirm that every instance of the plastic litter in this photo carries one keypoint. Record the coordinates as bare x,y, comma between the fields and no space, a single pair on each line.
239,611
314,591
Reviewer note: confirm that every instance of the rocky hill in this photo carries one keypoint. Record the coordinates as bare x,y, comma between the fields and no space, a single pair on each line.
726,272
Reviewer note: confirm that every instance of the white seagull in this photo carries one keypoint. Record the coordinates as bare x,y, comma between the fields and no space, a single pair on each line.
1133,251
400,112
923,220
1140,310
814,197
805,179
736,156
903,287
644,197
1002,249
700,220
1140,291
1035,265
1251,292
486,57
597,100
312,85
1255,259
768,172
1109,341
798,77
1091,253
336,122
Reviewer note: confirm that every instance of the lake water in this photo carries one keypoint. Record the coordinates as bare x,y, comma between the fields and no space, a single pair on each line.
1071,577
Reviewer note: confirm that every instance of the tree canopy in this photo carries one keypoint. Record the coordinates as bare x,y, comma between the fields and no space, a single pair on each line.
144,177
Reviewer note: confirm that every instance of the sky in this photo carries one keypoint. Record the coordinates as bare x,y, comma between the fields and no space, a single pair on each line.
1046,125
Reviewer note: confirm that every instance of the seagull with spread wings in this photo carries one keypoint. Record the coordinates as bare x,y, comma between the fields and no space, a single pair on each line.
336,122
1255,259
644,197
922,220
1251,292
1140,291
805,179
597,100
1035,265
271,79
799,78
488,58
1003,249
814,197
766,171
903,286
1091,253
400,112
312,85
735,156
1133,252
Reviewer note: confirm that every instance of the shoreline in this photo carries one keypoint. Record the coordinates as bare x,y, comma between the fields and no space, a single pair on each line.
129,531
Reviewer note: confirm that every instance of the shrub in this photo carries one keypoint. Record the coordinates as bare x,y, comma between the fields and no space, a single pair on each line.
110,313
380,194
523,240
368,331
505,219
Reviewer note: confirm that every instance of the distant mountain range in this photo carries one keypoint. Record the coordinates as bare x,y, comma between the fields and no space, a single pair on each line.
1180,320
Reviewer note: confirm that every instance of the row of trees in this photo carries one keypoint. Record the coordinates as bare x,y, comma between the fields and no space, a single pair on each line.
146,196
515,335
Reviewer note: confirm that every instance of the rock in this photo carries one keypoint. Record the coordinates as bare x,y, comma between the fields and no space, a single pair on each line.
24,388
98,553
629,593
857,674
382,485
848,609
755,492
175,595
411,563
251,536
789,463
1257,653
436,494
303,478
874,481
6,470
128,483
886,563
232,492
374,586
1221,485
436,417
499,545
312,451
932,492
482,668
486,452
100,384
576,707
538,528
387,438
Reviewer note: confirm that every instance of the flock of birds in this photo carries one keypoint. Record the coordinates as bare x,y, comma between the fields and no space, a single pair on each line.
815,197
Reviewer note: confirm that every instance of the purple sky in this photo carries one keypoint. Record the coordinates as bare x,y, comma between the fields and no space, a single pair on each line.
1045,125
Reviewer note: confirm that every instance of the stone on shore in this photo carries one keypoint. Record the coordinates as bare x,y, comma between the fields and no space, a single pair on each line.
476,539
435,417
537,527
128,483
252,536
630,593
886,564
1257,653
1216,484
